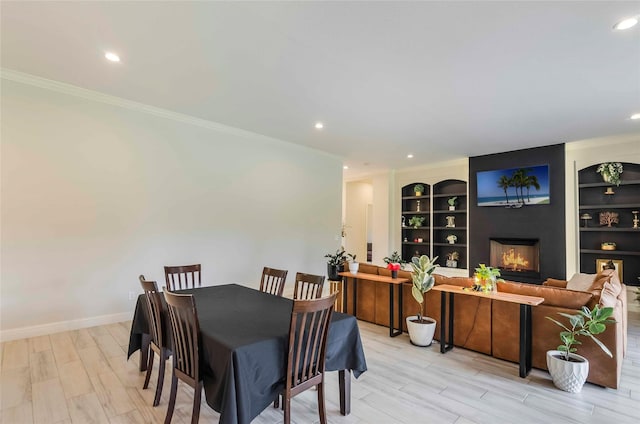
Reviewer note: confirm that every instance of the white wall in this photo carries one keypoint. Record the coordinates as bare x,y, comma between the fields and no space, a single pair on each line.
582,154
97,190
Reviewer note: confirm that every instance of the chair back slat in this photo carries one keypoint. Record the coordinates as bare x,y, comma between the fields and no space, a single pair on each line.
185,329
154,309
308,331
183,277
273,281
308,286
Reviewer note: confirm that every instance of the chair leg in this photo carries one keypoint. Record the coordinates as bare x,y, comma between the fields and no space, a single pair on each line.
163,362
286,405
321,409
147,377
197,398
276,403
172,399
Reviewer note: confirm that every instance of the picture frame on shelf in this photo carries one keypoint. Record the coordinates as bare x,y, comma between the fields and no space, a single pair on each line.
602,264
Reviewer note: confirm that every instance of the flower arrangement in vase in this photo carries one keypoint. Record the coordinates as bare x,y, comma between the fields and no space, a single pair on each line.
610,172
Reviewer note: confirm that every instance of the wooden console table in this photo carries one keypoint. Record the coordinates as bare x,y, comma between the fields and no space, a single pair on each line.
392,282
525,303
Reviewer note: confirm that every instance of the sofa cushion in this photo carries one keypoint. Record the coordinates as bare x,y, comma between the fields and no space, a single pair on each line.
368,268
553,296
552,282
580,282
454,281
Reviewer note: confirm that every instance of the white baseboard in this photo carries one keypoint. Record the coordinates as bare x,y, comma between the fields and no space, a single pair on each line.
57,327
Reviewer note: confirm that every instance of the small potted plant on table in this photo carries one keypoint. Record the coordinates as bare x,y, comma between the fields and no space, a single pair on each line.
394,263
334,264
421,328
569,370
353,265
485,278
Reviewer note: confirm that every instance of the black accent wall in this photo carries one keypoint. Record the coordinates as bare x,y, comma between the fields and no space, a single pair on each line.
543,222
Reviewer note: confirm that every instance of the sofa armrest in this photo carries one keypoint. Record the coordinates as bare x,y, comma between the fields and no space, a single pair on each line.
555,283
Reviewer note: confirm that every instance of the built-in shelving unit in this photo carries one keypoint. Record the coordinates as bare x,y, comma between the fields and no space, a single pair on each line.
593,200
439,221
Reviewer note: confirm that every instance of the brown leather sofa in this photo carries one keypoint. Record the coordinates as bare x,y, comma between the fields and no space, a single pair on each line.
492,327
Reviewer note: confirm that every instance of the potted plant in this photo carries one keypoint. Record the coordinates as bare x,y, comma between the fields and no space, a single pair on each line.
452,202
418,189
416,221
610,172
485,278
421,328
452,259
334,264
353,265
394,263
569,370
452,238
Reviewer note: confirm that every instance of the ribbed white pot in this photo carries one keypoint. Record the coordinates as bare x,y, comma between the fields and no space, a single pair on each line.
567,375
353,267
421,334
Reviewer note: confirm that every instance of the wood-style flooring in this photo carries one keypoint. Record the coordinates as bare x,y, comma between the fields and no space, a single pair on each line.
83,377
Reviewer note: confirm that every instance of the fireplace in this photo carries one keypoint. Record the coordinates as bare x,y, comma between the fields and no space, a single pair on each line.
515,257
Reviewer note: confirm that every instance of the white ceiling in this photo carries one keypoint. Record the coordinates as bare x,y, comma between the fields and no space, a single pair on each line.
440,80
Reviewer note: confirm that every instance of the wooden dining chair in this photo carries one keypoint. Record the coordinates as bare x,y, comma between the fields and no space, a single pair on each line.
185,330
310,320
183,277
154,309
273,281
308,286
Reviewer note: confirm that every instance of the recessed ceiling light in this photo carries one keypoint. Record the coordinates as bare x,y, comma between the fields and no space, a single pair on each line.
626,23
319,125
635,116
112,57
410,156
345,167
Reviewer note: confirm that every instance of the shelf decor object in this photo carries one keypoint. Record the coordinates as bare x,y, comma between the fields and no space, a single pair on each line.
636,221
610,172
607,218
585,217
451,221
602,264
608,245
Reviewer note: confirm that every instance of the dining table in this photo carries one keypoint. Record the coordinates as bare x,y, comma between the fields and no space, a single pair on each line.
244,337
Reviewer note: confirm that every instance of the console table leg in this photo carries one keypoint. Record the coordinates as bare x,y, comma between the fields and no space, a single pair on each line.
392,329
344,295
344,385
525,340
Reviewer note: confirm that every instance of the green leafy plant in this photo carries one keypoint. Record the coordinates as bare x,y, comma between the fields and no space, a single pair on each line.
395,258
422,279
485,278
351,257
452,200
418,188
610,172
585,323
416,221
336,259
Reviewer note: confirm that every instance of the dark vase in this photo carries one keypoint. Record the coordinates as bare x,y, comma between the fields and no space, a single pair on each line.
394,274
332,272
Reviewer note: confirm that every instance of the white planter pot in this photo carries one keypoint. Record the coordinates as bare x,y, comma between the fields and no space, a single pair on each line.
353,267
452,208
421,334
567,375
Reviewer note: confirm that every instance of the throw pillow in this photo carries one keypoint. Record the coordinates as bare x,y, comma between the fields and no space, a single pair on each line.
555,283
580,282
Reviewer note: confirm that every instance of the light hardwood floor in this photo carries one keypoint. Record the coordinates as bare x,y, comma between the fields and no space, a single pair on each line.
83,377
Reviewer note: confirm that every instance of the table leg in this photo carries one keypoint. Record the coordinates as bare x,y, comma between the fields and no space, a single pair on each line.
392,332
144,351
444,346
344,295
355,297
525,340
344,384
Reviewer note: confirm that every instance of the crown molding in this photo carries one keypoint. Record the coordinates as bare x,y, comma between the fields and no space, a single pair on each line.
96,96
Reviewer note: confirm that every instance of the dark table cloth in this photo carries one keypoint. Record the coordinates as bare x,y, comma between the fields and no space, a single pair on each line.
244,338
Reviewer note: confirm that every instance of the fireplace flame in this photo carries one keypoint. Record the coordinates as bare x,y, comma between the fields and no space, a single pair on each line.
515,261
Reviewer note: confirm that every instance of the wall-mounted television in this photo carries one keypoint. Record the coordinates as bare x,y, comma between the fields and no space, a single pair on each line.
514,187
